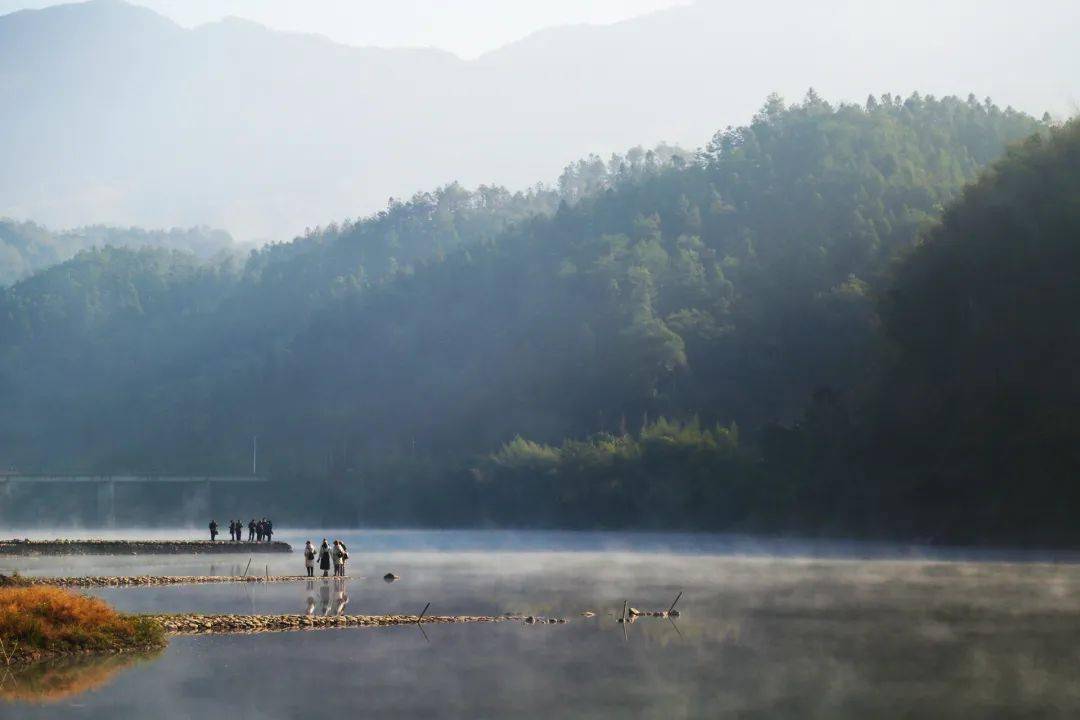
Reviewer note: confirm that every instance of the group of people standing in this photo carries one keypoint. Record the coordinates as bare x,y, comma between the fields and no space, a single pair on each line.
258,530
326,555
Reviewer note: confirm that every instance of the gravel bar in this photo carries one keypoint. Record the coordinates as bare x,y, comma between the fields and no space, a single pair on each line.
210,624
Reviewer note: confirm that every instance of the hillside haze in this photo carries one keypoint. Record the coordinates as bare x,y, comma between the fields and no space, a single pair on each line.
114,114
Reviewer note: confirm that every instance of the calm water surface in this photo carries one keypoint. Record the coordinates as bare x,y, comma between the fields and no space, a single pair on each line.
767,631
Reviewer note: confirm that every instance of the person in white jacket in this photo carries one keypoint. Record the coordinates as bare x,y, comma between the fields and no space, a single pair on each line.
309,558
340,556
335,555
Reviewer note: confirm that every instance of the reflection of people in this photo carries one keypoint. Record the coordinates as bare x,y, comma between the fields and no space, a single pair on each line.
310,604
324,598
309,558
342,601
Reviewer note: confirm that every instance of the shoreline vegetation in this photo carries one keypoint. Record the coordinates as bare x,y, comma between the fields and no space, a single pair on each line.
136,547
38,623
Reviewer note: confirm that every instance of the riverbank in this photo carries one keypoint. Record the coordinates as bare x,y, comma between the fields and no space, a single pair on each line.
137,547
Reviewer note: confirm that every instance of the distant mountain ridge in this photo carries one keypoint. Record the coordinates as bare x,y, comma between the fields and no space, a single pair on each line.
113,114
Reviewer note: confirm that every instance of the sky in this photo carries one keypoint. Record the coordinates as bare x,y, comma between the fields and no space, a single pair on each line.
467,28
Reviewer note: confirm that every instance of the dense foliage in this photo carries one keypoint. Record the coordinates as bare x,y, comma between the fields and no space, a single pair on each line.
980,406
384,363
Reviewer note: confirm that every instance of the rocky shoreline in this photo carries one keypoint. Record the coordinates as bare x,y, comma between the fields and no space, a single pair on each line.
138,547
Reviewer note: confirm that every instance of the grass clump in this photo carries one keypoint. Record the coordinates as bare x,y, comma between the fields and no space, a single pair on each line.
37,622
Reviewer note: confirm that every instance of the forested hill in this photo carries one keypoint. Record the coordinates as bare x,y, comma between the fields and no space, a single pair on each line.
26,247
385,363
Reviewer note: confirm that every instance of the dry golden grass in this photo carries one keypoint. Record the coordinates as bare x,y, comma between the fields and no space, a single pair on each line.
41,621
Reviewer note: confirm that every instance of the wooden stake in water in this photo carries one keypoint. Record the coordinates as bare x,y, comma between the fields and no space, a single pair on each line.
623,616
247,568
423,612
676,600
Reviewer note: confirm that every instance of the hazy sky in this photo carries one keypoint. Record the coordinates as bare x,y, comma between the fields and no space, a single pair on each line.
465,27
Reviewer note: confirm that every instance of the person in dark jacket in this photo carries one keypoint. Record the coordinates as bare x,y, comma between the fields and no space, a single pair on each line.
251,530
213,530
269,531
309,560
324,558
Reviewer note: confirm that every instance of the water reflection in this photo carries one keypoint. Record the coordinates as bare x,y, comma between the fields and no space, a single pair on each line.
333,596
758,637
55,681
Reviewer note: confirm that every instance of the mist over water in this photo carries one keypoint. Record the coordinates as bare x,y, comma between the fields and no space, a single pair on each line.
761,634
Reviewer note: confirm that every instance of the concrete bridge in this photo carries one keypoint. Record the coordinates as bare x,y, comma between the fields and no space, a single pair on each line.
197,488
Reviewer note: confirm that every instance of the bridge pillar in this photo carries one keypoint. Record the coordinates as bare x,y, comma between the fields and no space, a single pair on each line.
106,503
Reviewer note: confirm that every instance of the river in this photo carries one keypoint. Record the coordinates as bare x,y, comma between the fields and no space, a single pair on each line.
768,629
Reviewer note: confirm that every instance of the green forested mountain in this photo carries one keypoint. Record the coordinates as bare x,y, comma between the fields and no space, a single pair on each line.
673,339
